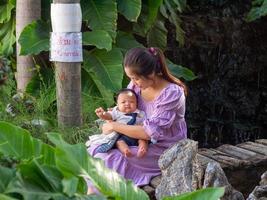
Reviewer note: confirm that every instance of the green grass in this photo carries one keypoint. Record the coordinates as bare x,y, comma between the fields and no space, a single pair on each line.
41,110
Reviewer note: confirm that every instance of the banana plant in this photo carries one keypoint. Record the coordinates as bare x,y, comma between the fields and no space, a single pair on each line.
109,29
56,172
42,171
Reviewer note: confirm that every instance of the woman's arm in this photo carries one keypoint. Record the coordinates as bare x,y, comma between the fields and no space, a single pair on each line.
137,132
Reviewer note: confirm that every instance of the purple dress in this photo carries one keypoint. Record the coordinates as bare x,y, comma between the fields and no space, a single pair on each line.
164,123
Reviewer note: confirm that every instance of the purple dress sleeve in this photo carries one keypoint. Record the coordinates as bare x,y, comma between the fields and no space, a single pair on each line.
164,113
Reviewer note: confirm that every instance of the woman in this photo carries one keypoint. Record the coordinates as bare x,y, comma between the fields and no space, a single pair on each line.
162,97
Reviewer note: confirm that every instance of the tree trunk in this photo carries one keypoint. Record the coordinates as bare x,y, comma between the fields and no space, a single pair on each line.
68,81
26,12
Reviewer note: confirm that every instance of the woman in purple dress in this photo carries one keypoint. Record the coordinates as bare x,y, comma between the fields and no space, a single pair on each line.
162,97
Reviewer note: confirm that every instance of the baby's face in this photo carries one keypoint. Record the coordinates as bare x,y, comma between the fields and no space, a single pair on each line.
126,102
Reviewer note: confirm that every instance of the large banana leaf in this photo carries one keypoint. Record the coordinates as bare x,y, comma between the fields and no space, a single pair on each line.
4,197
42,182
93,89
147,17
157,35
107,66
130,9
101,15
126,41
6,175
99,38
34,38
7,37
169,10
207,194
5,11
181,72
17,142
106,93
74,159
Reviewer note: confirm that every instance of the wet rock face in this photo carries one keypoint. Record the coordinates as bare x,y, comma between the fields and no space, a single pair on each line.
228,102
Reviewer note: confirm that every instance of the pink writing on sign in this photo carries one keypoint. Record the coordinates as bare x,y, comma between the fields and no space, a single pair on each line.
66,47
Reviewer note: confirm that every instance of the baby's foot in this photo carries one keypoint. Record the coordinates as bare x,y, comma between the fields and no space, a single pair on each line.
127,153
124,148
141,151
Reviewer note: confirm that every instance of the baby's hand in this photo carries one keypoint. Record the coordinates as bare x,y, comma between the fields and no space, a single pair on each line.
100,112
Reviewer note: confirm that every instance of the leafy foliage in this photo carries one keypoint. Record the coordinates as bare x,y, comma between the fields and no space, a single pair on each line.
47,172
130,9
7,27
207,194
259,9
102,31
57,172
38,33
101,15
99,38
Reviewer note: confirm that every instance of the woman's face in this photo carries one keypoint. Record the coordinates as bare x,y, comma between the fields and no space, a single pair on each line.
139,81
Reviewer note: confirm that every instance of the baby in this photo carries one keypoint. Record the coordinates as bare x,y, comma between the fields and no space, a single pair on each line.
125,112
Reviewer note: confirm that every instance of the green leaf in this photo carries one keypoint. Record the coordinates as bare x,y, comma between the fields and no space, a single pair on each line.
258,10
147,17
126,41
4,197
70,185
5,12
6,175
181,5
181,72
92,87
17,142
7,37
99,38
172,16
101,15
47,178
153,7
34,38
157,36
74,159
29,190
207,194
107,66
130,9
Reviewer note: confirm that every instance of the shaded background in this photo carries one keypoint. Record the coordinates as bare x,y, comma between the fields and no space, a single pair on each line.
228,102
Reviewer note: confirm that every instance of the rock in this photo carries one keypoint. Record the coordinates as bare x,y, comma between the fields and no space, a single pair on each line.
260,192
181,171
215,177
263,179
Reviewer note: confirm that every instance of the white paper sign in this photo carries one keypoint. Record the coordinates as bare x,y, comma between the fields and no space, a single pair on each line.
66,47
66,17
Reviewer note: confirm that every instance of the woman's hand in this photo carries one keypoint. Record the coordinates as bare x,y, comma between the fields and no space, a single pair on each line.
108,127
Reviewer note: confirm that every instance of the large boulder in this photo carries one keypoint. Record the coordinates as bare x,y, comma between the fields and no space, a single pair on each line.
180,169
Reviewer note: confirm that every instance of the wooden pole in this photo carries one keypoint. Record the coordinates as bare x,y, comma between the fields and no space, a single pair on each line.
26,12
68,85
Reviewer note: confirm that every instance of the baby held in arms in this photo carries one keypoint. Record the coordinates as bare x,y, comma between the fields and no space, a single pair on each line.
125,112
